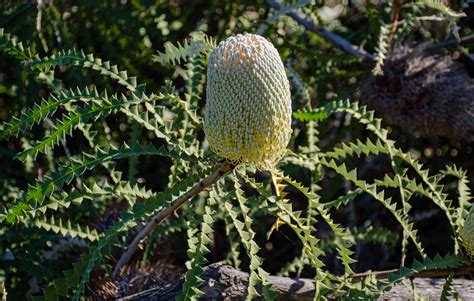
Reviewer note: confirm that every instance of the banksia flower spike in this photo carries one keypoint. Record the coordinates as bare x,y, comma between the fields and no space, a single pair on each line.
248,109
467,233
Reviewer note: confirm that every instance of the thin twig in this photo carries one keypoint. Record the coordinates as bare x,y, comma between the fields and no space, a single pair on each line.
460,271
162,215
332,38
452,42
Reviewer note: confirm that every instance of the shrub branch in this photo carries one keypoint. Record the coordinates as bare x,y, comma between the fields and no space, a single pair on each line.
330,37
162,215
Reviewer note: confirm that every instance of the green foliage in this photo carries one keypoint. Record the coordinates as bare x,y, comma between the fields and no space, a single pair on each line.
382,49
78,58
35,195
66,230
341,240
367,235
197,250
87,166
449,291
371,289
432,188
191,48
442,7
42,111
11,46
244,229
438,262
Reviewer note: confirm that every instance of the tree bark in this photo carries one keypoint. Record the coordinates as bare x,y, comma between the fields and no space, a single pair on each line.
222,282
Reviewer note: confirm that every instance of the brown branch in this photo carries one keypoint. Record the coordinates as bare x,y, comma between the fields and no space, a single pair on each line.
330,37
395,12
165,213
224,282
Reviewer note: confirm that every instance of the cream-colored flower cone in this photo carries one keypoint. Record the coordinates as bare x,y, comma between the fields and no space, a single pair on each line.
248,109
467,233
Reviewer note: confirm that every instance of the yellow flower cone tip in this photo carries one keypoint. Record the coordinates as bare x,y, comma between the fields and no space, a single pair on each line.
467,233
248,109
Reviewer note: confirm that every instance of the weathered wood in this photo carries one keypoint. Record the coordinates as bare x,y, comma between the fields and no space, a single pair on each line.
429,289
223,282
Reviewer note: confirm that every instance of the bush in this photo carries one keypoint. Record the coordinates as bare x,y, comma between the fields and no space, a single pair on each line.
90,152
